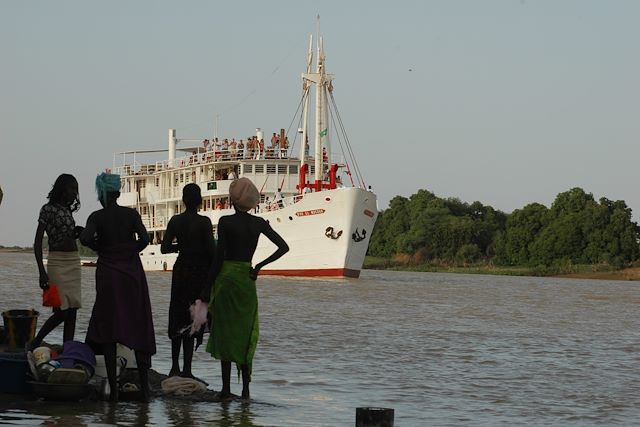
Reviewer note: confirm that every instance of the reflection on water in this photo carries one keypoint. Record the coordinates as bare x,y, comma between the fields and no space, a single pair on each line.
440,349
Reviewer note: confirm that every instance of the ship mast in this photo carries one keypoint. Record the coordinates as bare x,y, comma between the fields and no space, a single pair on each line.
322,80
305,87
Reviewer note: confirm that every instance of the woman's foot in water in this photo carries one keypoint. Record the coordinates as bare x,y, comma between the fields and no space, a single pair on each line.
225,395
245,393
113,395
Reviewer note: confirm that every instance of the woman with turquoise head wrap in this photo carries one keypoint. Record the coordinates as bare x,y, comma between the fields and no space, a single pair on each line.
107,183
122,310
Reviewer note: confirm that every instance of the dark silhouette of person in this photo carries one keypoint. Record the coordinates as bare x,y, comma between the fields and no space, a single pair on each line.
196,248
233,301
63,261
122,310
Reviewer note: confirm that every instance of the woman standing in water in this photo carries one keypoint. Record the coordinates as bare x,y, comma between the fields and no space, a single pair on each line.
233,299
122,310
195,247
63,262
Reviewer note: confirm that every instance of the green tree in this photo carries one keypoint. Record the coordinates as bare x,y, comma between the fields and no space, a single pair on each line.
522,227
390,227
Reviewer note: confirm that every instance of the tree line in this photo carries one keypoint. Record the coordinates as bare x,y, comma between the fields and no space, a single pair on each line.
424,228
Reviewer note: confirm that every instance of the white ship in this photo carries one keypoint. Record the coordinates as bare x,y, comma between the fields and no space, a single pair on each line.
316,200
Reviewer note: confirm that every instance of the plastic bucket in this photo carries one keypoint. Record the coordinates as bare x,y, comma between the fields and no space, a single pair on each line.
20,327
13,373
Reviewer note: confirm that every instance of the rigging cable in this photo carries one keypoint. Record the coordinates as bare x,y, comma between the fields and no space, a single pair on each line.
348,144
346,155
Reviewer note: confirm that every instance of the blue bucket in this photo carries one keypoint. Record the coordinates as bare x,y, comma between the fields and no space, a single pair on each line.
13,373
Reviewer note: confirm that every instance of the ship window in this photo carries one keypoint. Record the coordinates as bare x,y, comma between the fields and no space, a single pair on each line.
293,169
312,169
157,181
247,169
259,169
181,177
271,168
282,169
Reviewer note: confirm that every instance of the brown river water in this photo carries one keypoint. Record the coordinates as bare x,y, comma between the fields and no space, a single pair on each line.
440,349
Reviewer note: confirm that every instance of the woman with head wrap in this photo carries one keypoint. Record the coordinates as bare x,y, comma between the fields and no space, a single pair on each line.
233,299
195,246
122,310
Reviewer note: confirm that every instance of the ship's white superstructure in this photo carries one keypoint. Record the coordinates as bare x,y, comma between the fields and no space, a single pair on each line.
316,200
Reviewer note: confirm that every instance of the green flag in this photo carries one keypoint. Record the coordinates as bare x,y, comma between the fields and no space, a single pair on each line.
323,133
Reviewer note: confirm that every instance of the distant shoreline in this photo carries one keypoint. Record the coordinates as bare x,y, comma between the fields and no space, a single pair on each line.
15,250
595,272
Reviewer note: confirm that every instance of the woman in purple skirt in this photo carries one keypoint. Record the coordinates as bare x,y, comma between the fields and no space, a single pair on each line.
122,310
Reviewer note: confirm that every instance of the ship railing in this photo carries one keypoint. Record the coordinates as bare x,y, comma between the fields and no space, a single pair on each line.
140,168
275,205
230,154
203,157
154,222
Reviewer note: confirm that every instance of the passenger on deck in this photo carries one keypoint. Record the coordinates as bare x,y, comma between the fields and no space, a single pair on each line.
249,154
279,198
284,146
233,148
241,152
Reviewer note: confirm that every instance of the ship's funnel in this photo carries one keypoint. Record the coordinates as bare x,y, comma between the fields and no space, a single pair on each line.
172,147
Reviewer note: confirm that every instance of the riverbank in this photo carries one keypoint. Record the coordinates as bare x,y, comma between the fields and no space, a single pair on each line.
575,271
15,249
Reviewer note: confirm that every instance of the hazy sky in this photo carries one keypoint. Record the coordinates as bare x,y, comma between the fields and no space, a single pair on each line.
505,102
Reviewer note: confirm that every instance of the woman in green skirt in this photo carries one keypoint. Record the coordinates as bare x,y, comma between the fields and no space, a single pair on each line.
233,301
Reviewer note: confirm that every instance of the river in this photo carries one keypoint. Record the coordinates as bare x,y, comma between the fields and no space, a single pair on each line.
440,349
